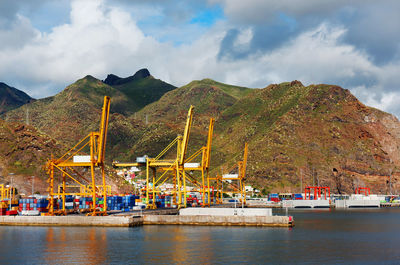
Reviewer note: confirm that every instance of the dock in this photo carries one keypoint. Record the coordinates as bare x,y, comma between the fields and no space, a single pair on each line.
275,221
194,216
306,204
71,220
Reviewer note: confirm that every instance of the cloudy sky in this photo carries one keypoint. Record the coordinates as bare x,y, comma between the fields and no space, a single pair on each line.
46,45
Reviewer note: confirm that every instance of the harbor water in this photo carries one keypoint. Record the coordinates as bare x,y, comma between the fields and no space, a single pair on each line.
356,236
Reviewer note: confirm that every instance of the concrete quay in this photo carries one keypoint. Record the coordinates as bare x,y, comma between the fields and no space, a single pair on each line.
306,204
71,220
189,216
276,221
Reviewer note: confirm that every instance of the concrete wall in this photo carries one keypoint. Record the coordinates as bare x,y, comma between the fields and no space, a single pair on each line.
357,203
226,211
305,204
283,221
71,220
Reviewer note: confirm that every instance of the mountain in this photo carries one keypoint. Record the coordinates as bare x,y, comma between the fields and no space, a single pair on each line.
298,135
209,97
315,134
72,113
12,98
24,150
166,117
141,88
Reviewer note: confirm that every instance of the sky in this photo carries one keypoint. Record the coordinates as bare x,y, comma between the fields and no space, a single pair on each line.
45,45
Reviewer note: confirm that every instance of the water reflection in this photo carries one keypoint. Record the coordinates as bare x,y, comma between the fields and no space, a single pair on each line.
319,237
65,245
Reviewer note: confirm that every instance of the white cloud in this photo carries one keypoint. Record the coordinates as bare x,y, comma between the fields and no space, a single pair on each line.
102,39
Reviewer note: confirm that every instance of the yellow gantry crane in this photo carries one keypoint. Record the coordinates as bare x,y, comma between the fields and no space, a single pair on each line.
174,166
66,164
169,168
229,176
203,167
6,193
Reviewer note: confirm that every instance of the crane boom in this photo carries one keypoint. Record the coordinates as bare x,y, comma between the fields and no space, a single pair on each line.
103,130
244,162
186,134
209,142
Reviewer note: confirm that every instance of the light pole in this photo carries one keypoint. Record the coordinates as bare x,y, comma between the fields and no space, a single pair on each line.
33,184
11,188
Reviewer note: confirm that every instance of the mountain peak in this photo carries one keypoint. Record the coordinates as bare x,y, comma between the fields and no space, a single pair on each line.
114,80
11,98
142,73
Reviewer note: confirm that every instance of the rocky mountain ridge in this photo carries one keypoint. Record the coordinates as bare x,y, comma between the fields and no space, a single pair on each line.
298,135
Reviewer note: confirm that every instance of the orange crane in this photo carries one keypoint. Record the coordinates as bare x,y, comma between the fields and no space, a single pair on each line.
66,166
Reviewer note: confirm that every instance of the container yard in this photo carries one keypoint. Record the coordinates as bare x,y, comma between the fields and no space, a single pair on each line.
172,183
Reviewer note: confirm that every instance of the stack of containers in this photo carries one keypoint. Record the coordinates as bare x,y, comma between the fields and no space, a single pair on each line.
298,196
274,197
28,206
85,202
128,202
100,203
168,201
121,203
69,202
112,202
160,201
41,205
76,202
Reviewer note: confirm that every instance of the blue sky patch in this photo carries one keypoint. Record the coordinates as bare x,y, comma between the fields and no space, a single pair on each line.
208,16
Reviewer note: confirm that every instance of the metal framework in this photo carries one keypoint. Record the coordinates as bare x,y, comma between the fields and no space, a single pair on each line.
317,192
361,190
6,193
84,190
166,167
66,164
229,175
202,167
169,168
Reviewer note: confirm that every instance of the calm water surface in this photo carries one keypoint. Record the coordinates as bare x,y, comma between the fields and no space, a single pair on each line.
319,237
